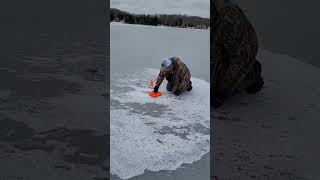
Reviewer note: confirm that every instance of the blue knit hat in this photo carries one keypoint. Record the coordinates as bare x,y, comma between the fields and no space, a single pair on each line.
166,64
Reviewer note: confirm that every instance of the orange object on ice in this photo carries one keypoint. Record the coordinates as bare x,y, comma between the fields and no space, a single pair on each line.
151,84
153,94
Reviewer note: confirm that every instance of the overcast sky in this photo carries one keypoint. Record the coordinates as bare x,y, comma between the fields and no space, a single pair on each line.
189,7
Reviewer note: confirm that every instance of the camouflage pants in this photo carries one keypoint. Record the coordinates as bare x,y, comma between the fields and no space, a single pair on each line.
252,83
170,85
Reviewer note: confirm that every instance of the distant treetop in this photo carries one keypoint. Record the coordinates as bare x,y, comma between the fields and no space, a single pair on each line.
174,20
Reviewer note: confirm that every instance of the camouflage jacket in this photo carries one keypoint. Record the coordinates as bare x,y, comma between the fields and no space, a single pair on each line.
234,49
180,75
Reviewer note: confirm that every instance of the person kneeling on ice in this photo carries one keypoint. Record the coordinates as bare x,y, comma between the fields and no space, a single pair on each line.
177,75
234,50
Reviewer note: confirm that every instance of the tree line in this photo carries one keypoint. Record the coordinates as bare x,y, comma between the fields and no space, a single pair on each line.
174,20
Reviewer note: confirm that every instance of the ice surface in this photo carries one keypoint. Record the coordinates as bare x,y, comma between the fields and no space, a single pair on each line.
291,90
156,133
282,120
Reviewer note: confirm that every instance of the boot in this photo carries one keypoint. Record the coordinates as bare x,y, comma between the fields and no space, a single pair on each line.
190,86
256,86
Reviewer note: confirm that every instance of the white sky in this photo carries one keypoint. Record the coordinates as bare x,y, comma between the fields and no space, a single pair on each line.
190,7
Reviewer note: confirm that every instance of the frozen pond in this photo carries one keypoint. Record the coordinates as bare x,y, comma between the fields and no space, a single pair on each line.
158,136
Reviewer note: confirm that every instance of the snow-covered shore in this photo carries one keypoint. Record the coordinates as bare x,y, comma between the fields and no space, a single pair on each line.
161,26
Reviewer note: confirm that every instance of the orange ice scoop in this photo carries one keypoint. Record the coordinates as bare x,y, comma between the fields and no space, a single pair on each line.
151,84
153,94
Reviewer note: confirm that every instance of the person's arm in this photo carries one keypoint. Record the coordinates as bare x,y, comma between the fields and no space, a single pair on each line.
160,78
235,39
216,76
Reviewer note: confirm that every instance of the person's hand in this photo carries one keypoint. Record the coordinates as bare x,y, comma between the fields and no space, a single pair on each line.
155,89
